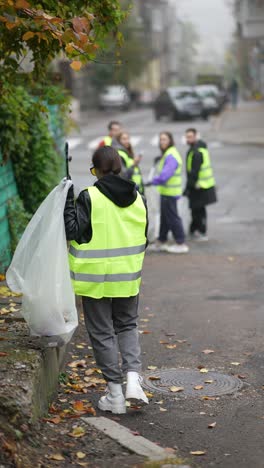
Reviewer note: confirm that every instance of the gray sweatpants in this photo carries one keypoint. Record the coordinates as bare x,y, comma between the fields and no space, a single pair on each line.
112,327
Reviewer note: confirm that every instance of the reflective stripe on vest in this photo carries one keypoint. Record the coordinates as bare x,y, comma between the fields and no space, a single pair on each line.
173,186
110,264
108,141
205,177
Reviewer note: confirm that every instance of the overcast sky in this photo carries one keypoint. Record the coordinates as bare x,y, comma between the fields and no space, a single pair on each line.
214,22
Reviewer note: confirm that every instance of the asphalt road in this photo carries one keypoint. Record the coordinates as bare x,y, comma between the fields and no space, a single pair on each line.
212,298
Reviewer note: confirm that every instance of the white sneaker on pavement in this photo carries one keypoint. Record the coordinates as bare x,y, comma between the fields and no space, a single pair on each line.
178,249
134,392
158,247
198,237
114,400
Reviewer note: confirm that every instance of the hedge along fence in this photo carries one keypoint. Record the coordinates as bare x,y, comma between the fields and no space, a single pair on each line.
8,190
29,175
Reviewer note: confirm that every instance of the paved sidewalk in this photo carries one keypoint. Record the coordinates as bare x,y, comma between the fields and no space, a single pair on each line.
242,126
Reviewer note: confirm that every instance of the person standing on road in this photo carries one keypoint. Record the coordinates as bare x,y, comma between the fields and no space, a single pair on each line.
107,228
200,187
114,130
234,91
169,185
130,162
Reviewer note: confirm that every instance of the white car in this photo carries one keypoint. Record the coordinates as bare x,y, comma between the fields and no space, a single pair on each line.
116,97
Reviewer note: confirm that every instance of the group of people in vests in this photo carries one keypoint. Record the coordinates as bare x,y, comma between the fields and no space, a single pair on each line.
200,186
107,229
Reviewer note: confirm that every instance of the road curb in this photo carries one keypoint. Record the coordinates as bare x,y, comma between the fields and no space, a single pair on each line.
136,444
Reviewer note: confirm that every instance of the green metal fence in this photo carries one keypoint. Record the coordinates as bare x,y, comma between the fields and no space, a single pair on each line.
7,190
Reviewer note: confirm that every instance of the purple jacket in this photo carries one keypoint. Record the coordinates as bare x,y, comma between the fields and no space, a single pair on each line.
169,168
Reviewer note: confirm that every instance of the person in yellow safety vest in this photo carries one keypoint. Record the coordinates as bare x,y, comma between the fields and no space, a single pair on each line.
200,187
130,162
107,227
114,130
169,185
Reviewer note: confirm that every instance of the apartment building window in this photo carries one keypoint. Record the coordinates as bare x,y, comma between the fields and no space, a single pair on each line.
256,9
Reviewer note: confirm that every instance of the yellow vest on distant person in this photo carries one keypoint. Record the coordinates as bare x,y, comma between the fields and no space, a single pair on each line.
206,178
173,186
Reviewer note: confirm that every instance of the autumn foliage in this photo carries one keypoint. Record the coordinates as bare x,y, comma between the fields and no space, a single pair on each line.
41,30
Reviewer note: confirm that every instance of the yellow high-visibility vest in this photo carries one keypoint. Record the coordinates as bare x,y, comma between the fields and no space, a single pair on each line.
110,264
173,186
206,178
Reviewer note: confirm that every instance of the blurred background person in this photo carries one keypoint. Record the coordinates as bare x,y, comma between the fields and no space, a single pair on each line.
234,92
130,161
169,185
114,130
200,187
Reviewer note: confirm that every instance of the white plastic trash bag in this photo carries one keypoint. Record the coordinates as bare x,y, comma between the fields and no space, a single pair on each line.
153,201
40,270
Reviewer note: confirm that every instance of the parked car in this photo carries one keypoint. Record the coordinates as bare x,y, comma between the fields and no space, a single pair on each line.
210,99
146,98
178,103
114,97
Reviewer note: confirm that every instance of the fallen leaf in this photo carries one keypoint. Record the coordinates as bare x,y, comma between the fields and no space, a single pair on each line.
152,367
176,389
149,395
57,457
181,341
77,432
80,363
2,354
235,363
55,420
208,351
135,433
242,377
2,277
159,402
163,410
78,406
145,332
80,455
198,453
154,377
208,381
144,320
171,346
79,346
212,426
204,371
164,342
209,398
230,259
198,387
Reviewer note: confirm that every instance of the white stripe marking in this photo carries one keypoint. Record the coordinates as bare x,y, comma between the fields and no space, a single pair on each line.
93,144
135,140
155,141
74,142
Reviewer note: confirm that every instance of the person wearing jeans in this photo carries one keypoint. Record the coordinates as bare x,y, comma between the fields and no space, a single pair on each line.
169,185
107,227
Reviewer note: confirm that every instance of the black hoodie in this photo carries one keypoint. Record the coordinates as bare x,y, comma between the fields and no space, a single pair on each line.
77,216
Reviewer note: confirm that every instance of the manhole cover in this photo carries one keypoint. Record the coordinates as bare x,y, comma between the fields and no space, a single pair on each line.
213,383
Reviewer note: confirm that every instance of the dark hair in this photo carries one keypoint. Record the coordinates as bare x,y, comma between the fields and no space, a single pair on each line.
171,139
107,160
191,130
112,123
129,150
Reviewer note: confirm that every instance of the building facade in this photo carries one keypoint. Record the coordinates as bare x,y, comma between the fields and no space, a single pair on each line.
250,32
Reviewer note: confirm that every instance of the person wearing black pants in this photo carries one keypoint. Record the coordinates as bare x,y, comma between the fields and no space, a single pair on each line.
200,187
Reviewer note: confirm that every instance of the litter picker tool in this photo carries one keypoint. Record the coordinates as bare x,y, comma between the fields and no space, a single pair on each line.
67,160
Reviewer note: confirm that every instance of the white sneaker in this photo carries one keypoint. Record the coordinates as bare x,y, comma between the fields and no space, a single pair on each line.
198,237
114,401
134,392
178,249
158,247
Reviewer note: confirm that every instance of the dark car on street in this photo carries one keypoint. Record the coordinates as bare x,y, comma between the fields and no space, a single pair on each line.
177,103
